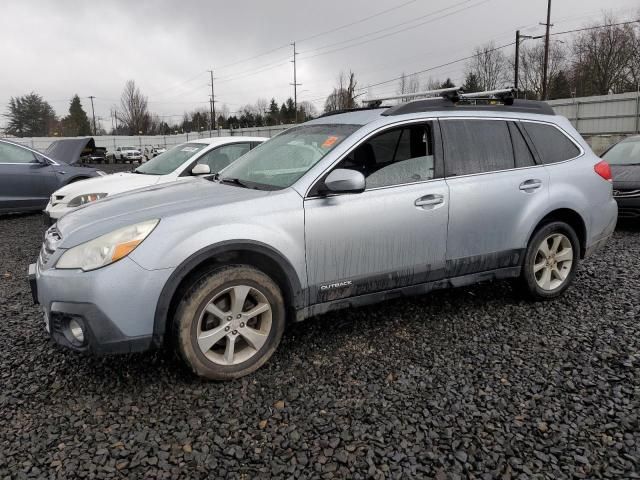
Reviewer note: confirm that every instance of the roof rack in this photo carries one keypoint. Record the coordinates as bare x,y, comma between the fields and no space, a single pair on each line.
440,92
501,100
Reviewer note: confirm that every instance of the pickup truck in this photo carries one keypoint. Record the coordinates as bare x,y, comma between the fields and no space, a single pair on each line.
127,154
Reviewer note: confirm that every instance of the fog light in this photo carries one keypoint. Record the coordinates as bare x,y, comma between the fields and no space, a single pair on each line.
76,330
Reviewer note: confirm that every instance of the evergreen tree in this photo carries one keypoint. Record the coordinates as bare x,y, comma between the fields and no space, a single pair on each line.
30,116
76,123
447,83
559,86
471,83
274,112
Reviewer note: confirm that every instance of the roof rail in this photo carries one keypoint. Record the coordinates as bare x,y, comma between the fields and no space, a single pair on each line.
440,92
501,93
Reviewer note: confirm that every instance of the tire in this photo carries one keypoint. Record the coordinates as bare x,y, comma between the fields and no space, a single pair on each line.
546,276
208,314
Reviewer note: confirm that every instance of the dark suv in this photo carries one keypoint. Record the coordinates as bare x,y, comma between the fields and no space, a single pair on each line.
624,158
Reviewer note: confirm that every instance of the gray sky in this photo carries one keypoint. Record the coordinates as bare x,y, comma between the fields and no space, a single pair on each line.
59,48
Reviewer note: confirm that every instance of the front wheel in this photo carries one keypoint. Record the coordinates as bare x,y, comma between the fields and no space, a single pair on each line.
229,323
551,261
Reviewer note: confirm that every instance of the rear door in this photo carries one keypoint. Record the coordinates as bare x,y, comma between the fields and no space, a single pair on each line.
25,183
495,189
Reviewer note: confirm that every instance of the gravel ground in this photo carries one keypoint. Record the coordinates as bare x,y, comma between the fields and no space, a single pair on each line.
468,383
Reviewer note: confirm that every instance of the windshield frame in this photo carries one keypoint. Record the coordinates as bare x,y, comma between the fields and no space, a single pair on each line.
339,133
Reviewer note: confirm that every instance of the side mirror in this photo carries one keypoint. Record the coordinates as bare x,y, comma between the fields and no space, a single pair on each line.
343,180
42,161
201,169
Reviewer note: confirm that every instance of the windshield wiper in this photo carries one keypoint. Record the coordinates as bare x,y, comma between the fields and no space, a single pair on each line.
233,181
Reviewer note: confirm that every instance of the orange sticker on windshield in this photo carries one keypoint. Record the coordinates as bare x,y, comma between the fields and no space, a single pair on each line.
329,142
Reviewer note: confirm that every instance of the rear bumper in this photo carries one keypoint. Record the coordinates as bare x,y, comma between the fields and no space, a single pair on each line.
628,208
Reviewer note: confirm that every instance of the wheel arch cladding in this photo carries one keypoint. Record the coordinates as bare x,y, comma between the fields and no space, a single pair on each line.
250,253
570,217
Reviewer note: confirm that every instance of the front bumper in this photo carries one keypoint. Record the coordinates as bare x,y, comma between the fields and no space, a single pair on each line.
628,207
115,305
52,213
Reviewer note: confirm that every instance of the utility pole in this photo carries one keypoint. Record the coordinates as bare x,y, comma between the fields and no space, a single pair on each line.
546,52
295,82
213,106
93,114
516,63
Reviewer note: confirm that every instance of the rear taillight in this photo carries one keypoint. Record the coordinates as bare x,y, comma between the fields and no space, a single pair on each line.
603,169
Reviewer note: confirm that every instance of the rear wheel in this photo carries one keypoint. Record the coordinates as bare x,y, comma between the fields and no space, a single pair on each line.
229,323
551,261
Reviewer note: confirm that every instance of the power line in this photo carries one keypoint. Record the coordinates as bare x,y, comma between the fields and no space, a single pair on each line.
437,66
362,20
385,29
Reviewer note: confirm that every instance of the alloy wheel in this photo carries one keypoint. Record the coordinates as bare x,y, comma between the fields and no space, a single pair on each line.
553,261
234,325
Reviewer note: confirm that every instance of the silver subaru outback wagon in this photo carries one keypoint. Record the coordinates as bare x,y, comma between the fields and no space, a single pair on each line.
345,210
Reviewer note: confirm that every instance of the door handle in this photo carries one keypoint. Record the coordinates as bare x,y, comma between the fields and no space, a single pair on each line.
429,200
531,184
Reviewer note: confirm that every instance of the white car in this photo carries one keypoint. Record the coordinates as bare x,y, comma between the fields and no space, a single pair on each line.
197,157
127,154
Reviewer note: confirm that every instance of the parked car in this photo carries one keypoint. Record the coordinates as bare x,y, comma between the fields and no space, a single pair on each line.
28,177
180,163
342,211
127,154
150,152
624,158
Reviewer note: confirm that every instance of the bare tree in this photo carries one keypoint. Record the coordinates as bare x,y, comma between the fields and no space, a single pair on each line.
344,95
133,109
604,58
531,66
408,84
307,109
490,66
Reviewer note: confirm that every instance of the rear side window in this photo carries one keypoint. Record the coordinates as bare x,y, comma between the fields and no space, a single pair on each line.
476,146
521,151
552,145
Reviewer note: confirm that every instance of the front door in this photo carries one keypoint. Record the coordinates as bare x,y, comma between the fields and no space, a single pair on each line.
25,183
391,235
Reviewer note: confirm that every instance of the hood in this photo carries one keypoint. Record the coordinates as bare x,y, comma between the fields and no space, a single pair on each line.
626,176
159,201
69,150
109,184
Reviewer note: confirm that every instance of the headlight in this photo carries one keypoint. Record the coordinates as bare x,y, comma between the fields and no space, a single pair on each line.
86,198
106,249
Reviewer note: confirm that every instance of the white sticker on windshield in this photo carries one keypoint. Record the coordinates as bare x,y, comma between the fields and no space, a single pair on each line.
189,149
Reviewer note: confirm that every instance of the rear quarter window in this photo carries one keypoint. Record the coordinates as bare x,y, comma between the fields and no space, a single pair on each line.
552,145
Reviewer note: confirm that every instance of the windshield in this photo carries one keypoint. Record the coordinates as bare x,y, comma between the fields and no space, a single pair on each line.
281,161
624,153
168,161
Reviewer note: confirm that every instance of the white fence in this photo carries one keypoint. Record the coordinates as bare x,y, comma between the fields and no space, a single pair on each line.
110,142
602,115
601,119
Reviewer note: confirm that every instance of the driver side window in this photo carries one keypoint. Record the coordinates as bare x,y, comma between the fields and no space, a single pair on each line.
14,154
395,157
221,157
